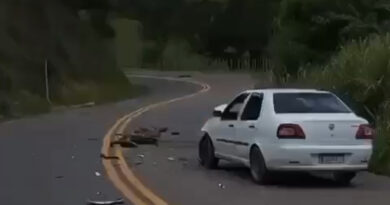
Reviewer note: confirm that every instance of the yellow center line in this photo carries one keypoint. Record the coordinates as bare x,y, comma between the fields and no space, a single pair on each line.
129,185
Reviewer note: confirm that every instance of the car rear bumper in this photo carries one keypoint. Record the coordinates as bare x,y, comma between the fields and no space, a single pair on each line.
307,157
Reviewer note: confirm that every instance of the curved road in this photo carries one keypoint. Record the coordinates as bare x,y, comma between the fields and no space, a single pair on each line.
183,181
52,159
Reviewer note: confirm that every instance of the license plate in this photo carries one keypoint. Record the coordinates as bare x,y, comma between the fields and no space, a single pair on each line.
331,159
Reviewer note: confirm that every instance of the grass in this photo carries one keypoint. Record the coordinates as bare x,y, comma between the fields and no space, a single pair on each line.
358,75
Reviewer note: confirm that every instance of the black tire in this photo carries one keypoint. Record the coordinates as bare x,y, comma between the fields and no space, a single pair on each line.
343,178
206,153
258,168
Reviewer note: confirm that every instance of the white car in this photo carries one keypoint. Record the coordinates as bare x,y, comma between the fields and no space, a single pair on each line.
288,130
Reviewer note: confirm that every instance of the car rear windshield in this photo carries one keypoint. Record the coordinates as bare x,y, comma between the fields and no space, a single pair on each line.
308,103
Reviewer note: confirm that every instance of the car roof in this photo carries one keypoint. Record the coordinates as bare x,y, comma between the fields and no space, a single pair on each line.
287,90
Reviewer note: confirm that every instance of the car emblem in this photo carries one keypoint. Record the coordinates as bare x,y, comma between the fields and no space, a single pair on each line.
331,126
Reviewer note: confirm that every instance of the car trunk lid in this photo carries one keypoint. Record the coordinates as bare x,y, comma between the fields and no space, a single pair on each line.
326,128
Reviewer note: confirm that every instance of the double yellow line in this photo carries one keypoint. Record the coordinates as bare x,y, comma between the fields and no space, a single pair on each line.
118,170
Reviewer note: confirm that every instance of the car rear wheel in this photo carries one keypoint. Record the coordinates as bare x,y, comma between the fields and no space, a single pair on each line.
258,168
207,153
343,178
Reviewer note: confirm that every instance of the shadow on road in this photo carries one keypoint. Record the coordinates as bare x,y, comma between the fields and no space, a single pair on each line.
284,179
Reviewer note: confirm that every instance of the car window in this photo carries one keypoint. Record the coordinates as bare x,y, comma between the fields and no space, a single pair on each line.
232,110
253,107
308,103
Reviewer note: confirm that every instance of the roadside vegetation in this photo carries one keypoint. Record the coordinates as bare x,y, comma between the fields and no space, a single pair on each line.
339,46
343,46
358,74
75,40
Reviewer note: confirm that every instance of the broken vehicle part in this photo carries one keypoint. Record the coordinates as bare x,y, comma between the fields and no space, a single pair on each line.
113,202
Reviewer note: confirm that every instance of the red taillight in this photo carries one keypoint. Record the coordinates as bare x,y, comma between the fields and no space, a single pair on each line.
365,132
290,131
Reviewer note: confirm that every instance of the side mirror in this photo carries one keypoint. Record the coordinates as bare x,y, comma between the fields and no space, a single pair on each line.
219,110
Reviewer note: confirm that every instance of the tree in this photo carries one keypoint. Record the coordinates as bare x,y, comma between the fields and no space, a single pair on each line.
245,25
309,31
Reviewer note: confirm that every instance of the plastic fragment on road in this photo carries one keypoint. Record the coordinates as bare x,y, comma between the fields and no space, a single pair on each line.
171,159
113,202
140,155
98,174
221,186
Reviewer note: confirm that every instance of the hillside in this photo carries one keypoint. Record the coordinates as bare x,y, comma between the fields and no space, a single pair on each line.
77,44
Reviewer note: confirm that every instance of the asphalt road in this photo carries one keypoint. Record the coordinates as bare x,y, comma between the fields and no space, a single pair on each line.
52,159
183,181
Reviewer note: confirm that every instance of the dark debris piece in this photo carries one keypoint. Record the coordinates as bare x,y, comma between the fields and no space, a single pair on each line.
124,143
175,133
108,157
184,76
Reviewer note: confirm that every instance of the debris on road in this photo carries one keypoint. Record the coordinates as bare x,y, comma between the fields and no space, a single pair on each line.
140,155
163,129
98,193
138,162
108,157
171,159
140,136
175,133
221,186
124,143
184,76
59,177
97,174
114,202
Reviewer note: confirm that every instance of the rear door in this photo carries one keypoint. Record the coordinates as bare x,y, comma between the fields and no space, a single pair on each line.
226,129
248,127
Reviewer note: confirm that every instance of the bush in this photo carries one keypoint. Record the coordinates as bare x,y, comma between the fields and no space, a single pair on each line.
26,103
380,161
358,75
309,31
360,71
